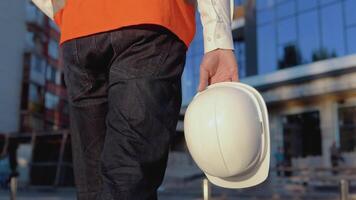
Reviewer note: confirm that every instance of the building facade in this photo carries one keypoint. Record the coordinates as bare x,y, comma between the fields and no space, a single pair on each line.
32,83
12,46
34,108
306,71
44,103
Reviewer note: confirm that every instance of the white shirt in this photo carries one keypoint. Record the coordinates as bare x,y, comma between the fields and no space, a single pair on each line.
216,17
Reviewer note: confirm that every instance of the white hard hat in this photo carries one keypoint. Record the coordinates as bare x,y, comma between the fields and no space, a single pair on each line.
227,133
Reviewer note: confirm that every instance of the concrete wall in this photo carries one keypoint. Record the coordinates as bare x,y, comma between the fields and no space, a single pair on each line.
12,41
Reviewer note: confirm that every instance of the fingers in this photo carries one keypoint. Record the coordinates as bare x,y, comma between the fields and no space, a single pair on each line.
218,80
204,79
225,76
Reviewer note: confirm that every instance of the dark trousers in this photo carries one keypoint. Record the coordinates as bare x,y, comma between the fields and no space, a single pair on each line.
124,89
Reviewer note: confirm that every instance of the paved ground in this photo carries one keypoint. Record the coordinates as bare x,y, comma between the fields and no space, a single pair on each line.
69,195
183,182
192,191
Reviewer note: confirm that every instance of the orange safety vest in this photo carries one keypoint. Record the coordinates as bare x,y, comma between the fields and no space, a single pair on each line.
85,17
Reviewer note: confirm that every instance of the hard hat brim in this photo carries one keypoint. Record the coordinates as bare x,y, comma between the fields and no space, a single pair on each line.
259,173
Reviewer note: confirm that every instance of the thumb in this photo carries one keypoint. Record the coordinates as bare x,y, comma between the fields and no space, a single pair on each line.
204,78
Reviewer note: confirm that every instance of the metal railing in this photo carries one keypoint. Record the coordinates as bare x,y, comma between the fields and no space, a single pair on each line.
344,189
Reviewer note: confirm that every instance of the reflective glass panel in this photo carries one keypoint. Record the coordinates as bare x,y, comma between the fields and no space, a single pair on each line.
287,31
351,40
333,42
306,4
285,9
325,2
350,12
266,42
265,16
309,35
263,4
347,128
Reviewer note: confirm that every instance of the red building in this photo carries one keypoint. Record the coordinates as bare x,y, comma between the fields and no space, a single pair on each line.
38,131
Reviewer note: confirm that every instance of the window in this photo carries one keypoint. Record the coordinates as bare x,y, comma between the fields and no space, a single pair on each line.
306,4
266,42
51,74
288,50
35,98
37,70
326,2
286,9
289,56
51,101
333,41
30,43
294,32
309,35
301,135
347,128
350,13
54,75
351,40
281,1
287,31
263,4
265,16
35,93
53,49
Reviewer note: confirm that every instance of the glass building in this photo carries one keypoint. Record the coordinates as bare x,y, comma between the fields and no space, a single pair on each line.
296,32
34,108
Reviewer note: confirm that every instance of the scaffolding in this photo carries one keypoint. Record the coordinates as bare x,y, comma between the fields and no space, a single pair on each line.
51,161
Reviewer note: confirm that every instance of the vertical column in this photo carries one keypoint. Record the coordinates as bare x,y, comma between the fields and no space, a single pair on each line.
328,126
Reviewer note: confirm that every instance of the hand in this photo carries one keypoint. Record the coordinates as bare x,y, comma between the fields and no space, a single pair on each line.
218,66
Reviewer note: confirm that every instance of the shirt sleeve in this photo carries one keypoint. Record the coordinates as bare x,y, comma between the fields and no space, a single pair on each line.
45,6
50,7
216,17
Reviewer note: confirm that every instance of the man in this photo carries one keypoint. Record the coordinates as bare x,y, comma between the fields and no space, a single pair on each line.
123,62
335,157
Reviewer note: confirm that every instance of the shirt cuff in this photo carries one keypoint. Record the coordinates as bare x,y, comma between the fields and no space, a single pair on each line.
217,35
